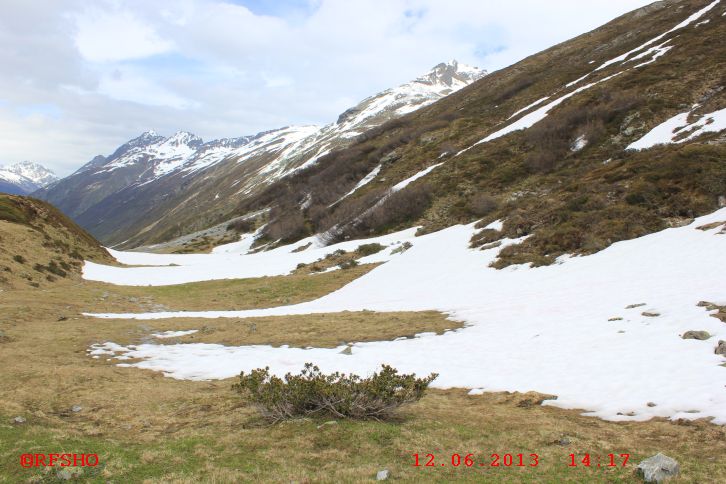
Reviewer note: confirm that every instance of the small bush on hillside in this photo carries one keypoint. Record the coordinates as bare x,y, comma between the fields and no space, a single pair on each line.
348,264
241,226
313,393
482,204
19,259
369,249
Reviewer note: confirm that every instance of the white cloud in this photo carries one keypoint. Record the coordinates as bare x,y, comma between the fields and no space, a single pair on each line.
105,36
220,69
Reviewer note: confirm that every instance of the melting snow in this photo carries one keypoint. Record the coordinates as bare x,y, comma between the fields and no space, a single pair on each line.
685,23
403,184
365,181
669,130
173,334
545,329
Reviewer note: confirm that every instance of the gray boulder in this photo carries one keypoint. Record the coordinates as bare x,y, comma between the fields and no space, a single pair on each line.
700,335
721,348
383,475
658,468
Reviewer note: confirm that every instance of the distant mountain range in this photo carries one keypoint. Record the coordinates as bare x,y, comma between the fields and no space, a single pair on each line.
170,186
24,178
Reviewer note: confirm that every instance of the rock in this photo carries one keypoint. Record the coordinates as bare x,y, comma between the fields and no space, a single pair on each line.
329,422
721,348
650,404
347,351
650,315
618,318
700,335
19,420
658,468
564,441
62,318
383,475
631,306
68,473
721,201
76,408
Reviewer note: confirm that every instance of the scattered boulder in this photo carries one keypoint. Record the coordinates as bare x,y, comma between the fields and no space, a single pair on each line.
68,473
76,408
19,420
699,335
329,422
721,348
658,468
651,404
631,306
617,318
62,318
650,315
383,475
564,441
347,351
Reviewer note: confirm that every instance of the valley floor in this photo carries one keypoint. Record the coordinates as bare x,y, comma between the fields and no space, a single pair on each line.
77,356
148,428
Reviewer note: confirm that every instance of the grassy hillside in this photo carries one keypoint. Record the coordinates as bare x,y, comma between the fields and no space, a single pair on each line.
40,245
567,200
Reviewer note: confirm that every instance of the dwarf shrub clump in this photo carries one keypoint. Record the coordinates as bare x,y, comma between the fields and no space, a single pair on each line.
313,393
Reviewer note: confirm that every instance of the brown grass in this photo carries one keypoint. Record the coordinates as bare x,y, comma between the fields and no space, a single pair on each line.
146,426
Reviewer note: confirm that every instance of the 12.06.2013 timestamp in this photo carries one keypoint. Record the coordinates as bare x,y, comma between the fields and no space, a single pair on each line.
472,460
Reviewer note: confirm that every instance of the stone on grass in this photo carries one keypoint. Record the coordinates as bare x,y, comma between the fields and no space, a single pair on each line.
700,335
329,422
383,475
76,408
658,468
68,473
19,420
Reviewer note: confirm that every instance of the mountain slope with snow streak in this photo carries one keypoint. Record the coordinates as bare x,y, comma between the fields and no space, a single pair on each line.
154,188
544,144
570,329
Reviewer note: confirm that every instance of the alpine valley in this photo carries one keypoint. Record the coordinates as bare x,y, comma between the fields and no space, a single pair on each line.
539,250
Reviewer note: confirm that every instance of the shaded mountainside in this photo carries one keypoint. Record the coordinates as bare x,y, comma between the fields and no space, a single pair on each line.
25,177
544,145
40,245
153,188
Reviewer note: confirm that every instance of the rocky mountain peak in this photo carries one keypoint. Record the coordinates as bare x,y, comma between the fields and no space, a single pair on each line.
448,73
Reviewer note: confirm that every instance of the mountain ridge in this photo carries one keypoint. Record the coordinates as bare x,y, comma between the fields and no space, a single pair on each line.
151,171
25,177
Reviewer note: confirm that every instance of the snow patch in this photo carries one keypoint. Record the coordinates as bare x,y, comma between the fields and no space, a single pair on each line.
670,129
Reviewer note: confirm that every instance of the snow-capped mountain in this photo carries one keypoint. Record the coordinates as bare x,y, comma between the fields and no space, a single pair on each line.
157,177
25,177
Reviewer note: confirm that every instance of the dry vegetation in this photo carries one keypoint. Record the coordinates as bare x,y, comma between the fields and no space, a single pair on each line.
40,245
148,428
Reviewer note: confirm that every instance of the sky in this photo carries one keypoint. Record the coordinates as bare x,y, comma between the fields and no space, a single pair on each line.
80,78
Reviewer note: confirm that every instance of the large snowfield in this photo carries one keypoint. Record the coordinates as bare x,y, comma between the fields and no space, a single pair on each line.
548,329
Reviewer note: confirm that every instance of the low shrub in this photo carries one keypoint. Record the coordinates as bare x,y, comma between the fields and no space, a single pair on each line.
482,204
312,393
348,264
369,249
19,259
